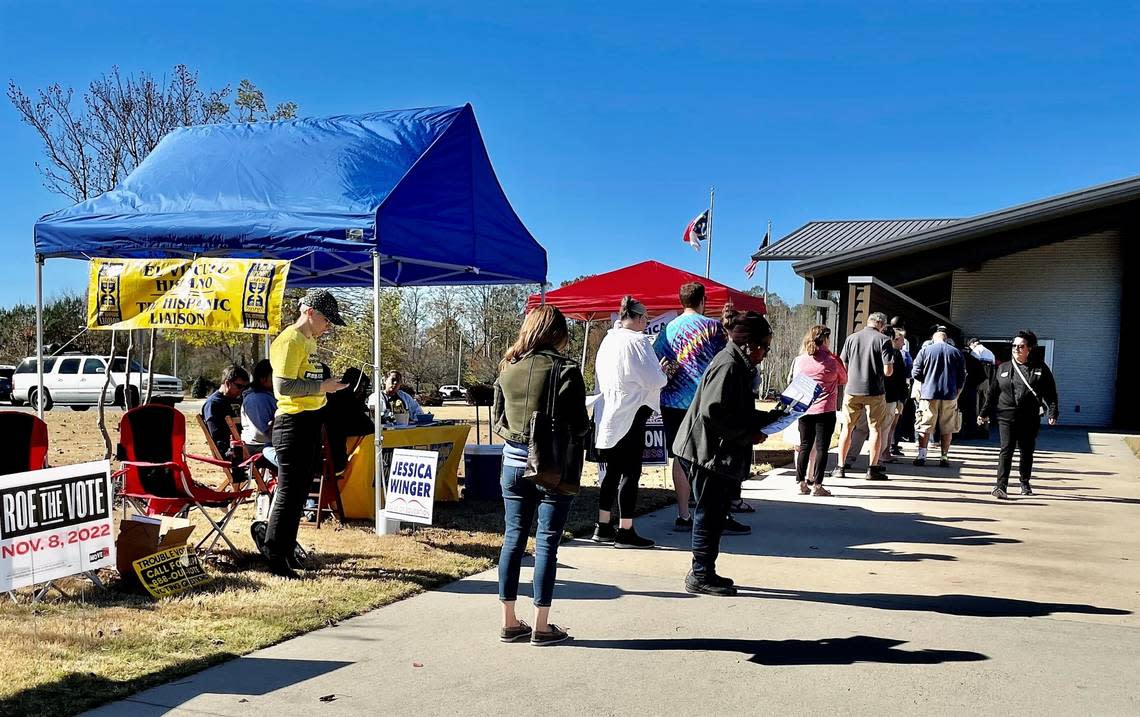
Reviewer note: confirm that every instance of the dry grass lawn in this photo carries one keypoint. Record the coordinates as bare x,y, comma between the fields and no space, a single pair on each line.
68,654
1133,443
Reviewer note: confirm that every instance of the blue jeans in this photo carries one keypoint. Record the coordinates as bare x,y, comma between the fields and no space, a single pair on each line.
521,498
714,495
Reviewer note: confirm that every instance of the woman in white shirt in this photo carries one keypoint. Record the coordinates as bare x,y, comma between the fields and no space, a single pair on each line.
630,380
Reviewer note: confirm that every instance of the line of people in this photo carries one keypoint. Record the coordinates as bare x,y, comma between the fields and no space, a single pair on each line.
700,374
878,378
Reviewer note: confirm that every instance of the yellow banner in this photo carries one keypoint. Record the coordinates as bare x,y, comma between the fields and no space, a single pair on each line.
240,295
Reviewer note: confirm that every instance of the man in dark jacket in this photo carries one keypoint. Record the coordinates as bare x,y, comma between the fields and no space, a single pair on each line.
714,442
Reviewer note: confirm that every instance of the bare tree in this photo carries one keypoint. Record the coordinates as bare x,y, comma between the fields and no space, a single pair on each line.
90,145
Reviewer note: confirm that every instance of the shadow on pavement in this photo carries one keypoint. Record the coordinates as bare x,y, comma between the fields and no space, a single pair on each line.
789,529
563,590
828,651
258,676
963,605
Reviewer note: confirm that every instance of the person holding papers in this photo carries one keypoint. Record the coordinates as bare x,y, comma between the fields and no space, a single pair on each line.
714,441
300,388
817,425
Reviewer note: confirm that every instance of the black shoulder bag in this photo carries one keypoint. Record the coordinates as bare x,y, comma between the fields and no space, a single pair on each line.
553,457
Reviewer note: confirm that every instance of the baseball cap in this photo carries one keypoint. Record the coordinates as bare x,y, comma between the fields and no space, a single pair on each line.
323,301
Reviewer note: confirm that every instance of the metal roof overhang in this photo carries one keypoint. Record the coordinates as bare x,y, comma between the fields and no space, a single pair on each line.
1053,208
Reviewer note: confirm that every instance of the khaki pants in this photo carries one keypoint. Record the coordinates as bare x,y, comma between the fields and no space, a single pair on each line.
940,412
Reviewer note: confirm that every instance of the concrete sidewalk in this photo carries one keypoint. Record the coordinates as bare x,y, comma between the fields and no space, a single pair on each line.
920,595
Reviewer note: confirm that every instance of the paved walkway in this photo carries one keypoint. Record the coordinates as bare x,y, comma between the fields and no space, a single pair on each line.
921,595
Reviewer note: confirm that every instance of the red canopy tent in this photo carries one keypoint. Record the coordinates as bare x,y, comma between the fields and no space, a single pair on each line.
650,282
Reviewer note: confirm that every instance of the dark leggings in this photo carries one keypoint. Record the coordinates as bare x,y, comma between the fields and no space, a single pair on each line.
623,468
1020,433
297,441
815,430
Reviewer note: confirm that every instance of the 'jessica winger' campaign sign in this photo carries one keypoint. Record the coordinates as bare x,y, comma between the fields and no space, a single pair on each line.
54,523
411,485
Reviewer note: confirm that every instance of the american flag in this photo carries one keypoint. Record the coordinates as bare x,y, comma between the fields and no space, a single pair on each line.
750,269
697,231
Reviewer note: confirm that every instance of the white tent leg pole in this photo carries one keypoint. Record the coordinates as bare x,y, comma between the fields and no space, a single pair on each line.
40,336
267,344
585,344
383,525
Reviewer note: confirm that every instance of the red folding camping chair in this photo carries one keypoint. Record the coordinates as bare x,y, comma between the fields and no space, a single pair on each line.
156,476
27,437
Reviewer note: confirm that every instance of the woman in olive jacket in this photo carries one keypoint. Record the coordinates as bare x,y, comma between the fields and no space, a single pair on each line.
714,441
1021,391
523,387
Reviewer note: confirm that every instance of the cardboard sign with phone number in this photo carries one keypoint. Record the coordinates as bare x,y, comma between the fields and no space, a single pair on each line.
170,572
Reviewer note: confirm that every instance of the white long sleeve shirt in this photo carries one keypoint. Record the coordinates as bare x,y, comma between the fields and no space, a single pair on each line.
629,376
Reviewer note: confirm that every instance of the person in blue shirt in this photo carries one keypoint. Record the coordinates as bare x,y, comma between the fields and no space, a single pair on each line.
686,347
257,408
940,368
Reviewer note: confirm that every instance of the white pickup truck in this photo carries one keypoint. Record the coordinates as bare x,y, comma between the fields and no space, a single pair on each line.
76,379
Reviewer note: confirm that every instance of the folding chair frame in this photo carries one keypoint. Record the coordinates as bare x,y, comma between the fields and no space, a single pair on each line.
187,493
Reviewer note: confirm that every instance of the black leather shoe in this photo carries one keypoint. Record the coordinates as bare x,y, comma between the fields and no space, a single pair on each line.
1026,490
722,581
697,586
732,526
280,567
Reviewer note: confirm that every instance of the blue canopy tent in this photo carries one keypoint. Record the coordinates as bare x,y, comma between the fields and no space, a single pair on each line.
398,198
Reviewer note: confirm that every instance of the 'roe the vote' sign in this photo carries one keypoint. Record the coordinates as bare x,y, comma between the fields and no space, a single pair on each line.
54,523
411,485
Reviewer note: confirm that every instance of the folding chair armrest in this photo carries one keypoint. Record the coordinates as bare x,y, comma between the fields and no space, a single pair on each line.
210,459
250,461
145,464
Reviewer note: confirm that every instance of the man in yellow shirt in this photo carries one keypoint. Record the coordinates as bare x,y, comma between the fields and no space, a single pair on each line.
300,387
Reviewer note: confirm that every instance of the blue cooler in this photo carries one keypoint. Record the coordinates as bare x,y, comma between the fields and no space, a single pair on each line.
482,466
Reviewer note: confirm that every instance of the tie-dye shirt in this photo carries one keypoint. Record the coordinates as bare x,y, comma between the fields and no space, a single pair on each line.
690,340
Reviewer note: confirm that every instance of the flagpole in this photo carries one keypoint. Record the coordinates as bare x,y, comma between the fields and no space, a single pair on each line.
708,256
767,264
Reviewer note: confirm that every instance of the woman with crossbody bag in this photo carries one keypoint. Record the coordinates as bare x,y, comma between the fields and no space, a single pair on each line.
540,412
1021,392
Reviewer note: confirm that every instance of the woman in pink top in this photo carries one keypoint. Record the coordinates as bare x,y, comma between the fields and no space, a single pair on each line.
818,424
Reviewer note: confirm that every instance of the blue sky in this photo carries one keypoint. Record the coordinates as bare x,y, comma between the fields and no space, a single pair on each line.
607,122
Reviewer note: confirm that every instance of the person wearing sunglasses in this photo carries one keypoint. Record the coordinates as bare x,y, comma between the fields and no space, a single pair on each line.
226,401
1021,392
714,442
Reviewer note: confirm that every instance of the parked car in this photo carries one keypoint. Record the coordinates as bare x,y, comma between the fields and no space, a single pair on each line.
76,380
6,382
453,391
